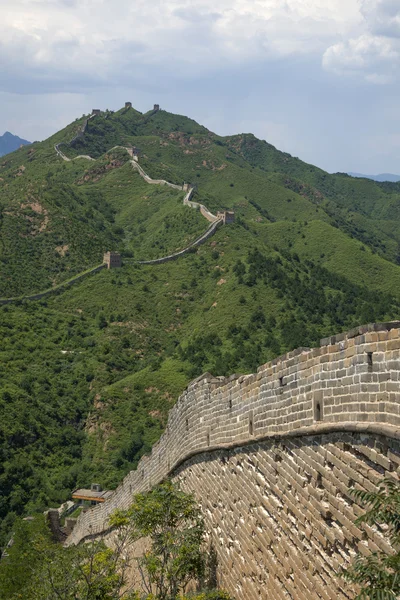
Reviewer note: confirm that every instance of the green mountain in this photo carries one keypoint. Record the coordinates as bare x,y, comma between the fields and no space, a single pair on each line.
10,142
88,374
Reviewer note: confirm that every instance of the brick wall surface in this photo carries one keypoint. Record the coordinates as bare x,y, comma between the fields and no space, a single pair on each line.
271,456
280,516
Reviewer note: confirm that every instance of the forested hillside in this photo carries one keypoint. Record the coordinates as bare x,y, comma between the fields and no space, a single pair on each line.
87,376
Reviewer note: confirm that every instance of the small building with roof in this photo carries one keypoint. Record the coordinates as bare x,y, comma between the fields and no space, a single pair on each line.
94,495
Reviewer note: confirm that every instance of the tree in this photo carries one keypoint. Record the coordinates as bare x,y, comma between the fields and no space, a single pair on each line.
85,572
21,557
174,525
379,574
36,568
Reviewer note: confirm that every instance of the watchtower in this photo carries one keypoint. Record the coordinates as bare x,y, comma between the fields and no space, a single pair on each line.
112,260
96,111
227,216
156,107
128,104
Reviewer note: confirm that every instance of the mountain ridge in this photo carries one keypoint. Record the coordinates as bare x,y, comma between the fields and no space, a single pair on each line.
390,177
10,142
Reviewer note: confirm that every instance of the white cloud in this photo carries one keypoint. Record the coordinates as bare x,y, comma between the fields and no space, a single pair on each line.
376,58
374,54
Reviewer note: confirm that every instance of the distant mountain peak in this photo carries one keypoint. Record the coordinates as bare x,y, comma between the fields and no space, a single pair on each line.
381,177
10,142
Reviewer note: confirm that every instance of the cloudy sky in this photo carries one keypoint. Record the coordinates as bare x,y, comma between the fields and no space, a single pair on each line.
317,78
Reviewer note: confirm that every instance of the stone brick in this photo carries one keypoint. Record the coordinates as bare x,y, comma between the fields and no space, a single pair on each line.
272,481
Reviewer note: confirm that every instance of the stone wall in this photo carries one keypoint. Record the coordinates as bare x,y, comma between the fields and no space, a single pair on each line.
215,223
200,240
54,290
279,513
203,209
79,134
155,181
271,456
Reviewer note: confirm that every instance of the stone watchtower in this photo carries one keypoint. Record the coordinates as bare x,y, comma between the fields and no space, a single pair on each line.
156,107
96,111
112,260
128,104
227,216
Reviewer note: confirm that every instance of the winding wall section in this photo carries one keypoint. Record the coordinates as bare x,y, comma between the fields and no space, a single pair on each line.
214,220
271,456
55,289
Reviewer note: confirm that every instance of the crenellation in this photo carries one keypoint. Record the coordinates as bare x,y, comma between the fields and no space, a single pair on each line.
271,457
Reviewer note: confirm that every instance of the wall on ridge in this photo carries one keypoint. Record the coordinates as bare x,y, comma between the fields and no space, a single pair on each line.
187,200
200,240
207,214
54,290
79,135
203,209
148,179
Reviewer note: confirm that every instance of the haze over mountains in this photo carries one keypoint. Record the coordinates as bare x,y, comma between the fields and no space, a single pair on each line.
381,177
10,142
88,374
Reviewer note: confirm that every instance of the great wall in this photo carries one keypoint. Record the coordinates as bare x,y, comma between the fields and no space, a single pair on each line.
214,220
271,457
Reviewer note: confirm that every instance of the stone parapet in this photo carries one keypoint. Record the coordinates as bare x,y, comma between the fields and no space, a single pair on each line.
350,383
60,287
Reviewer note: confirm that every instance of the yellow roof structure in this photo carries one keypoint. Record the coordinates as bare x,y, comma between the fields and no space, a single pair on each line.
93,495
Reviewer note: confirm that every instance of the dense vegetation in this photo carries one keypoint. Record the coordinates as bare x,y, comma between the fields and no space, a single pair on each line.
36,568
378,575
88,375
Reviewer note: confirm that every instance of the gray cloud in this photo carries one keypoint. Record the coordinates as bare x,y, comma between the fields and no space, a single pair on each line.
92,38
374,54
233,65
382,17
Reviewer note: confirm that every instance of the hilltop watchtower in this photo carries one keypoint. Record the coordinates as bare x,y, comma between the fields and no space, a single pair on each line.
96,111
112,260
156,107
227,216
128,104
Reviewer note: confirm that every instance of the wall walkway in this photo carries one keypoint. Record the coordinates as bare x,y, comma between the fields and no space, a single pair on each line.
271,456
80,134
214,220
200,240
54,289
